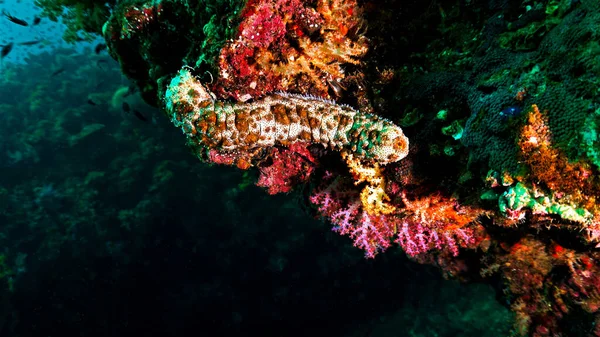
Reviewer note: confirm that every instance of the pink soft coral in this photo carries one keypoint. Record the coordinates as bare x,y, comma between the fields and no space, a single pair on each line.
422,225
437,222
339,200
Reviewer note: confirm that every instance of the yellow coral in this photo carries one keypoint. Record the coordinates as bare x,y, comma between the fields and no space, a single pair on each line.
373,196
321,62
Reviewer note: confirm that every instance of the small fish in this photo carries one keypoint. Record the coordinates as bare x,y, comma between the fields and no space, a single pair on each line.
100,47
5,50
132,89
140,116
29,43
15,20
99,62
90,102
126,107
36,20
56,72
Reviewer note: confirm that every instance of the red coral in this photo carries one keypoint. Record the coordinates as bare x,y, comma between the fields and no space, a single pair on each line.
264,26
526,268
584,281
289,45
137,20
546,281
289,166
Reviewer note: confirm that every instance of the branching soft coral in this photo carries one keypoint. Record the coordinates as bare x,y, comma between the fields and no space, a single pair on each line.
374,199
549,165
287,45
420,224
339,200
437,222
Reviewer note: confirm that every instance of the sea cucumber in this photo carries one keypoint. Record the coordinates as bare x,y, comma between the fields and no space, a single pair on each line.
279,119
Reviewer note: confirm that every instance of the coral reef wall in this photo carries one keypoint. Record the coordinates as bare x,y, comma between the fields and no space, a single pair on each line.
463,132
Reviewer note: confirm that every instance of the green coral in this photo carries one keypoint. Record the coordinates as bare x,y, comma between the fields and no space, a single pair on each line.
529,36
590,142
519,196
221,19
454,130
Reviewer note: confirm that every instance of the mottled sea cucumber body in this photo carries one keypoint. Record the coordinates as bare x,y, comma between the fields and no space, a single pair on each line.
280,119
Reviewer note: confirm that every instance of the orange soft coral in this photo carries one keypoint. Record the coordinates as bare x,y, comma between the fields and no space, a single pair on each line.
288,45
551,167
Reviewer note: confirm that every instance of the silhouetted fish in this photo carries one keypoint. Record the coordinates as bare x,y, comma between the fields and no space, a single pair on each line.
90,102
15,19
140,116
99,47
36,20
99,62
60,70
5,50
30,43
132,89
